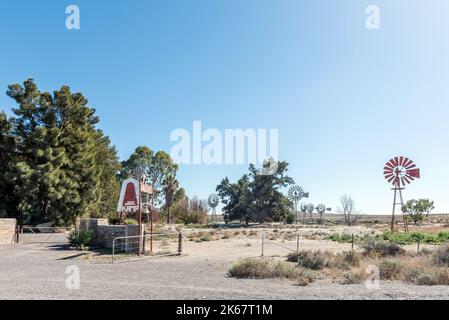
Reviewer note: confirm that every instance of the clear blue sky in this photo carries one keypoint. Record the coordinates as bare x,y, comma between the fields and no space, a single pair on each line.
345,99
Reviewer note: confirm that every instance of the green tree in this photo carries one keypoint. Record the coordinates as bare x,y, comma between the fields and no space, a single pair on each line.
8,199
426,206
170,187
59,160
256,196
413,210
156,167
268,201
237,199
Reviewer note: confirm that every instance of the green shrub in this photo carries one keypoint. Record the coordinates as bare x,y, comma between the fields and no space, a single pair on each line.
414,237
390,270
382,248
342,237
264,268
81,238
290,218
131,222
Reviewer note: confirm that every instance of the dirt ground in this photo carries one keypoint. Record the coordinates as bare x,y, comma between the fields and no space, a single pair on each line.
38,271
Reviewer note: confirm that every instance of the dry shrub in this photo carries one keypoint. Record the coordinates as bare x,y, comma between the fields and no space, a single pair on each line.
353,277
252,233
390,270
382,248
441,256
442,275
348,259
269,269
314,260
226,235
421,276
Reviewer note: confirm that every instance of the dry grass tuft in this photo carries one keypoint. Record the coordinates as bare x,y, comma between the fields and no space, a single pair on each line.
269,269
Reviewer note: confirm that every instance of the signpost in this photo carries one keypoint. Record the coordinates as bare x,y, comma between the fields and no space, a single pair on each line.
130,201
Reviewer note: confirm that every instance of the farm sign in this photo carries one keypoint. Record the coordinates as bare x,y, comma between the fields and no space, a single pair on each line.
129,196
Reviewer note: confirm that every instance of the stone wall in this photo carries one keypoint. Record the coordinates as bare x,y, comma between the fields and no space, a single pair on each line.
91,224
104,234
107,234
7,231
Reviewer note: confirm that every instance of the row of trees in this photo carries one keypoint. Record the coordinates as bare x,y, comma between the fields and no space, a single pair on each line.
257,197
56,165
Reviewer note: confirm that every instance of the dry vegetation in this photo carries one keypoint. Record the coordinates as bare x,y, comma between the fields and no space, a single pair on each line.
393,263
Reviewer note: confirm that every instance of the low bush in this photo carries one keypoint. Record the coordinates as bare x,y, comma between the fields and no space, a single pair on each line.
390,270
352,277
290,218
347,259
420,276
80,238
441,256
414,237
442,275
342,237
226,235
268,268
314,260
131,222
382,248
207,237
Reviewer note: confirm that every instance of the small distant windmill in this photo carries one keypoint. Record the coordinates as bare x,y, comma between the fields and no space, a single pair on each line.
400,171
304,210
295,194
310,208
321,209
212,201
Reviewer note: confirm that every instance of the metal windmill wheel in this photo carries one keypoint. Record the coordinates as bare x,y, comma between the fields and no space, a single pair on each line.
212,201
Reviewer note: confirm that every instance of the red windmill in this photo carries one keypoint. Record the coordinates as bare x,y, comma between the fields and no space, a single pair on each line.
400,171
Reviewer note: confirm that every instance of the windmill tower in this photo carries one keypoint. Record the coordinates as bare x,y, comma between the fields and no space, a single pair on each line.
321,209
310,208
295,194
303,210
212,201
400,171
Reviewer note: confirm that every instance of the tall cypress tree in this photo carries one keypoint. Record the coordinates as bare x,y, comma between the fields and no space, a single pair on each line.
62,162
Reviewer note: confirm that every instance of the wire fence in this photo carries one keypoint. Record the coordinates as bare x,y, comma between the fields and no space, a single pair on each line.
293,247
147,245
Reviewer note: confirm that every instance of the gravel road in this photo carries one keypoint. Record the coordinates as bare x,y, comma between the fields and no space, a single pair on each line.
38,271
